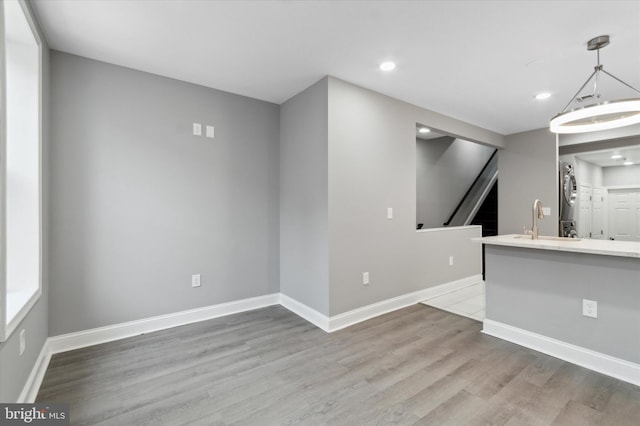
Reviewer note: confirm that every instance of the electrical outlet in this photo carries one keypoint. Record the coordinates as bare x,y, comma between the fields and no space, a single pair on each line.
23,341
450,260
197,129
590,308
195,280
365,278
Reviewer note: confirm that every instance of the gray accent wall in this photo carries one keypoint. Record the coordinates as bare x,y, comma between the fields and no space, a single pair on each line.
372,166
15,368
445,169
528,168
140,204
304,228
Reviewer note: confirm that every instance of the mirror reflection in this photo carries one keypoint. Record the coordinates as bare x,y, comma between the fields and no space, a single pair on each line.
456,182
604,184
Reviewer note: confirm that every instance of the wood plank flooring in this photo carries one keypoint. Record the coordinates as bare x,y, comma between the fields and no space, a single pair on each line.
418,365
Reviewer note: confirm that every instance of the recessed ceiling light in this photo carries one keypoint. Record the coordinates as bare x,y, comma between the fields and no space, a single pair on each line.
423,130
544,95
628,163
616,156
388,66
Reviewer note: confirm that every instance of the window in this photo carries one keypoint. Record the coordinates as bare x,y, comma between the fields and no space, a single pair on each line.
20,168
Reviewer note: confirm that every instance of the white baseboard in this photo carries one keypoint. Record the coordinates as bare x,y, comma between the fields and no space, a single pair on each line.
602,363
31,388
445,288
314,317
346,319
81,339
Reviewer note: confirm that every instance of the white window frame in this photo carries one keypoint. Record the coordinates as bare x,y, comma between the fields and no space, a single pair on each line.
8,327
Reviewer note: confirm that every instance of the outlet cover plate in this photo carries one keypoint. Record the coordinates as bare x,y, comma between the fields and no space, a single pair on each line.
590,308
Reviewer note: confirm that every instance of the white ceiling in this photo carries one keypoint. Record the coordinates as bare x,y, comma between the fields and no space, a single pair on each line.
478,61
603,158
426,136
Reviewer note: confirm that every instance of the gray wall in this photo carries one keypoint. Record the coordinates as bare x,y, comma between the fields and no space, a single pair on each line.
624,135
140,204
15,369
621,175
372,160
304,251
528,168
547,299
445,169
586,173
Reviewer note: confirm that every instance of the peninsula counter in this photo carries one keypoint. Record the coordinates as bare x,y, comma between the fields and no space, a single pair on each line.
535,291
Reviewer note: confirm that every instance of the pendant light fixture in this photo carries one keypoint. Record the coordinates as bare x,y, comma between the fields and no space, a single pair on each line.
599,115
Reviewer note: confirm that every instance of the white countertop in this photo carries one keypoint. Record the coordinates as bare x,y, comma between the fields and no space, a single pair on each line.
602,247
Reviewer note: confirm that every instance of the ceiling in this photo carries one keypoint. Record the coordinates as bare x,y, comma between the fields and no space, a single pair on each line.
603,158
426,136
479,61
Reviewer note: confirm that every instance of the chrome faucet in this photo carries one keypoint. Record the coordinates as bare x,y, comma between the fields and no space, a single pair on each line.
536,213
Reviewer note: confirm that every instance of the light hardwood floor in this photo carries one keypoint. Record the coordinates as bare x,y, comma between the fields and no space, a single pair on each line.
418,365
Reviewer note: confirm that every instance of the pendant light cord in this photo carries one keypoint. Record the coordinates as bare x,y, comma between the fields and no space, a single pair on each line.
597,69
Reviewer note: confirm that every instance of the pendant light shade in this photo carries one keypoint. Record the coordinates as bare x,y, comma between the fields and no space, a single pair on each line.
599,115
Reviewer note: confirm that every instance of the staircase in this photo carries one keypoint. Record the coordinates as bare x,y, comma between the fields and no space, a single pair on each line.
479,205
487,215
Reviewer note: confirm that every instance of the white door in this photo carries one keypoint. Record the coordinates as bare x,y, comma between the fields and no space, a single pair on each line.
584,212
624,215
597,213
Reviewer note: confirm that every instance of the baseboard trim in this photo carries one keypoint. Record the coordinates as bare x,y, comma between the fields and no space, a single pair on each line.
355,316
32,386
314,317
81,339
596,361
450,286
346,319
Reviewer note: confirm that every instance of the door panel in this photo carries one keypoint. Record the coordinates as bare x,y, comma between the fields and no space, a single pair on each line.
624,215
584,212
597,213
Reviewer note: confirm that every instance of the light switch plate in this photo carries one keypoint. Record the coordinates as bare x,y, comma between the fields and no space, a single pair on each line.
210,132
195,280
389,212
546,211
